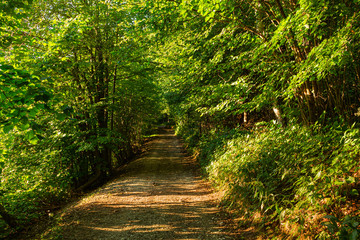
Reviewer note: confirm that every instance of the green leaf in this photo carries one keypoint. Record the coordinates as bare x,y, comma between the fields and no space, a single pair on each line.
31,137
33,112
354,192
350,180
24,126
354,224
61,116
339,183
7,128
354,235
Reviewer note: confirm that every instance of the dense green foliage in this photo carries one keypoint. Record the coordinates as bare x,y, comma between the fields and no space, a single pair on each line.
265,93
293,175
78,94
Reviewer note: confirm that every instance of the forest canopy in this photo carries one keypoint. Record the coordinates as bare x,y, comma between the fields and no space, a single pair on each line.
265,93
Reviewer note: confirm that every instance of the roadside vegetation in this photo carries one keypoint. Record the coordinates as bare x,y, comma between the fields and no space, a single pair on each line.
290,181
78,94
265,93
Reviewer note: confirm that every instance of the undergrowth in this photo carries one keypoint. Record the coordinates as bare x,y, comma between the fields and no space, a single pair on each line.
293,179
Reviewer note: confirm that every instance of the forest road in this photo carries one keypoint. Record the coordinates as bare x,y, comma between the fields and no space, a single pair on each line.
161,195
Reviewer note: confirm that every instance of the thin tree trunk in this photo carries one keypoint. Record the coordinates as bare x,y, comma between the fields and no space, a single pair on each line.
113,101
101,113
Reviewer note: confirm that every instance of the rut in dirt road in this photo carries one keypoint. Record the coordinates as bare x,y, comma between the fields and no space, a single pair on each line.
161,196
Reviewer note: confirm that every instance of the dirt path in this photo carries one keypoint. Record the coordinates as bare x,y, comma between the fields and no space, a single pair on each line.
161,196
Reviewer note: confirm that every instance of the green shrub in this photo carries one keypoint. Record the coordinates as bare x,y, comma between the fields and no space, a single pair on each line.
345,229
294,174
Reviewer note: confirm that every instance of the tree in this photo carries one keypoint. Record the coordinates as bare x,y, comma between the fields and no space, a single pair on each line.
288,56
90,49
22,96
74,74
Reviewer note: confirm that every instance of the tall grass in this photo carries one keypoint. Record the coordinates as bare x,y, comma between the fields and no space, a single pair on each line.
289,178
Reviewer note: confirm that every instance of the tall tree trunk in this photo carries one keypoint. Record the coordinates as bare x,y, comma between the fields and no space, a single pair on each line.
113,100
101,113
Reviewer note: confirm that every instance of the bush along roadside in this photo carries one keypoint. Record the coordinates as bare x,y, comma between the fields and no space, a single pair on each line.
300,181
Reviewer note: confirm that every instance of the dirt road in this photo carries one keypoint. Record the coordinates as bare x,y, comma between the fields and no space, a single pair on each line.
161,196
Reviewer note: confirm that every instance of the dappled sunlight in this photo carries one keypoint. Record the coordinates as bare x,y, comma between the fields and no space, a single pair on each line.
160,196
151,221
150,217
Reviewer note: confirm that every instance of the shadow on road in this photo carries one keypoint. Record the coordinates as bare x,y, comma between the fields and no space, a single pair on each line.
160,196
